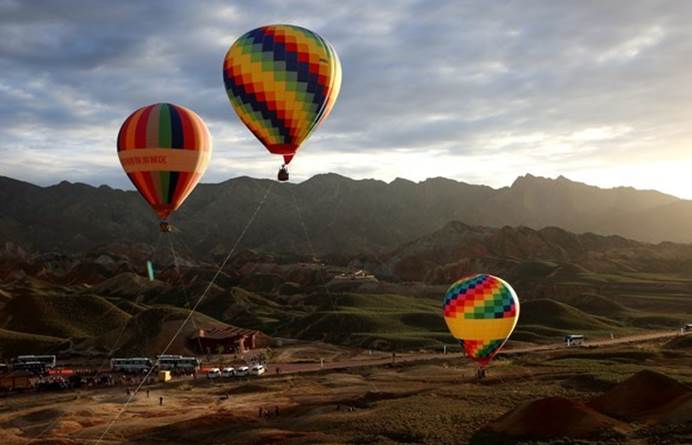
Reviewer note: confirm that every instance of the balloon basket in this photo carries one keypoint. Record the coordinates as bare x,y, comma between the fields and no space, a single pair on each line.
283,174
165,227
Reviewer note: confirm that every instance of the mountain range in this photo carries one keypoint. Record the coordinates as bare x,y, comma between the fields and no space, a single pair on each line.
73,262
330,214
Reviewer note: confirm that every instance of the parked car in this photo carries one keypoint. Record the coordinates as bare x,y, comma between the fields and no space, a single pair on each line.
227,372
242,371
214,373
258,370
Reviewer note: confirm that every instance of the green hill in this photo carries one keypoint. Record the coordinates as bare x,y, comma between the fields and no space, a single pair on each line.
373,320
246,309
63,316
598,305
549,317
149,332
125,285
17,343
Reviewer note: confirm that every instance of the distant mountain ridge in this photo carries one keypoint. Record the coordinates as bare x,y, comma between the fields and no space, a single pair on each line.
567,282
523,253
339,214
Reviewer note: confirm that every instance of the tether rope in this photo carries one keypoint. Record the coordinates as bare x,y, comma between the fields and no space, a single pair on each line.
313,254
191,312
105,360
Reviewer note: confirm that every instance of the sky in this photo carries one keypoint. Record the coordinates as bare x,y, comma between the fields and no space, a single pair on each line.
477,91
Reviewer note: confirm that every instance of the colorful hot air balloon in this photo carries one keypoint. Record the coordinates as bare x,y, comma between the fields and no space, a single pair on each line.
164,149
481,311
282,81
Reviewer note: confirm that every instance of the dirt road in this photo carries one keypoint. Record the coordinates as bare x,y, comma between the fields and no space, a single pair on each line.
287,368
292,368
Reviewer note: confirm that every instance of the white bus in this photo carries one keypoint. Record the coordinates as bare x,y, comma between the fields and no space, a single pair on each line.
132,364
167,361
574,340
48,361
178,364
37,368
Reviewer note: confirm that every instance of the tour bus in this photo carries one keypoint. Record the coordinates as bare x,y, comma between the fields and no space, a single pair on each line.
167,361
48,361
131,365
178,364
37,368
574,340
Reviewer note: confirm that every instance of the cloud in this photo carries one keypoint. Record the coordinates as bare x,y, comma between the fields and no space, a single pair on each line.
477,92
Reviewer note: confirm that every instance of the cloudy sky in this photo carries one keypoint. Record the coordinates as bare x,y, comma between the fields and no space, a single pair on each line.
482,92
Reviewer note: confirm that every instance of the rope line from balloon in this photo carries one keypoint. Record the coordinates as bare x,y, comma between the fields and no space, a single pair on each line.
180,280
105,361
191,312
311,247
331,296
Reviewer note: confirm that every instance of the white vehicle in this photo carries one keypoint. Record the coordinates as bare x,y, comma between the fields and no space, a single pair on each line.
214,373
167,362
574,340
242,371
132,364
687,327
178,364
48,361
227,372
35,367
258,370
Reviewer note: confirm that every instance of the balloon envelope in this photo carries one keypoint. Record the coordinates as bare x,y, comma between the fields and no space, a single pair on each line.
481,311
282,81
165,150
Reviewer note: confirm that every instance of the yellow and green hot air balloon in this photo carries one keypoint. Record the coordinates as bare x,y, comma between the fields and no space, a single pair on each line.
282,81
481,312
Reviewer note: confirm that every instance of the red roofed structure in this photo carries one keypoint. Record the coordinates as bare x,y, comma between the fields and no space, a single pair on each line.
231,339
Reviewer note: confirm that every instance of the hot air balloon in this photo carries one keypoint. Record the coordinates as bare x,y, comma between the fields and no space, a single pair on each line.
481,311
282,81
164,149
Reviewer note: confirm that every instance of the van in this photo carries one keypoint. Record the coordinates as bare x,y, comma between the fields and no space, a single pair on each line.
574,340
258,370
214,373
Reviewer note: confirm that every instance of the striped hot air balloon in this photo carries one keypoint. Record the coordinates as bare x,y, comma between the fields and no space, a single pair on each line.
481,311
282,81
165,150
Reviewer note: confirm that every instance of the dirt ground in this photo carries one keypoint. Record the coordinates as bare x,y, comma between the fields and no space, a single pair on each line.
436,402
